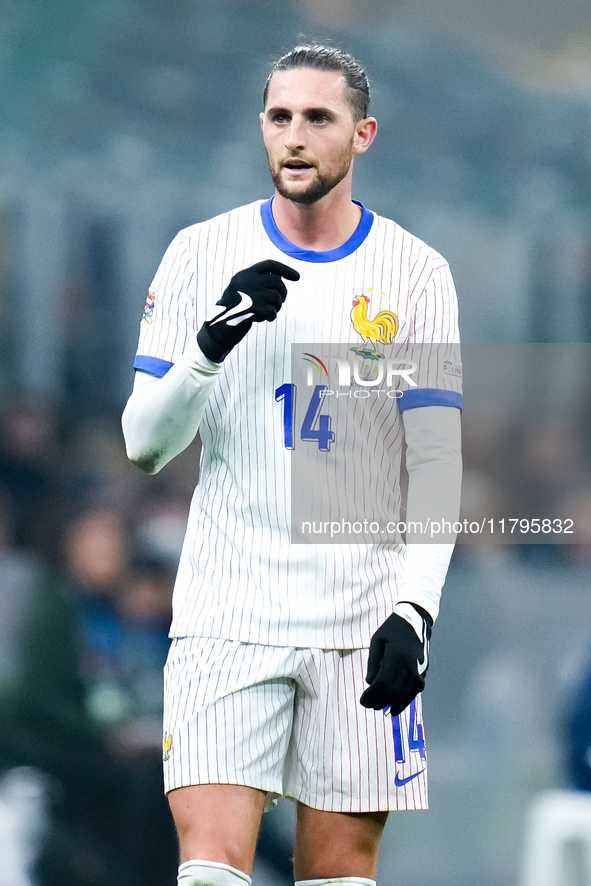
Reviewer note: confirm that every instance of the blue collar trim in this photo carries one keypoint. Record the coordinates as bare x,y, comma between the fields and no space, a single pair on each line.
289,248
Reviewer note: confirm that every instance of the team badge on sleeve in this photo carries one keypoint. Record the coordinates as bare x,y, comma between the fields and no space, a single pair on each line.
148,314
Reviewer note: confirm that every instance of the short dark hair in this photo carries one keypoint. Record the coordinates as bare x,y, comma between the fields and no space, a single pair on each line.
328,58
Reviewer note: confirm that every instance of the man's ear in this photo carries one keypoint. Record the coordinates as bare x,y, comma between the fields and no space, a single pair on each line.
365,132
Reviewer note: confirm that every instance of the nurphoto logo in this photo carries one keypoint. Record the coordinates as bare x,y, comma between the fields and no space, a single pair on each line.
355,371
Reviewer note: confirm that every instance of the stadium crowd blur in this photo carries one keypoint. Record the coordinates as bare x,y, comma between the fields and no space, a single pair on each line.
87,556
88,548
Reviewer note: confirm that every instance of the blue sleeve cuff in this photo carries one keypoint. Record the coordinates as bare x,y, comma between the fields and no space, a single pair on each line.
429,397
153,365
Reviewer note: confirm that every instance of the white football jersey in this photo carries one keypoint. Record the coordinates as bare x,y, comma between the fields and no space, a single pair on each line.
241,576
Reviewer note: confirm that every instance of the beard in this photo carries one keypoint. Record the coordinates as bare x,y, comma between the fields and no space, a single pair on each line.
322,184
316,190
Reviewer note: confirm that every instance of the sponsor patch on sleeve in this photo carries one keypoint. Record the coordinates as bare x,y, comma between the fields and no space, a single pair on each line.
454,369
148,314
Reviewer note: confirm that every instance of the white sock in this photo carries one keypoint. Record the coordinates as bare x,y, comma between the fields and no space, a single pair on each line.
210,873
343,881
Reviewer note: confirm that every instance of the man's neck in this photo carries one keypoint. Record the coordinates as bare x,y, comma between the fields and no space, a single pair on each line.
320,226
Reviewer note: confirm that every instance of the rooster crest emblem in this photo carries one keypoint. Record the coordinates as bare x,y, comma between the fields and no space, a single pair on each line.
381,329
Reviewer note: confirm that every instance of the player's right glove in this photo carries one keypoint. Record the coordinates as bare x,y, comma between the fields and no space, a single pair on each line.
252,295
398,659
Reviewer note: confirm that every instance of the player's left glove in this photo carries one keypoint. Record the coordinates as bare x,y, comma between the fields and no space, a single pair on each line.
398,659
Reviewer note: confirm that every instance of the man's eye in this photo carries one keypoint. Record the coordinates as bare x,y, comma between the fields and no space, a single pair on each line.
319,118
280,118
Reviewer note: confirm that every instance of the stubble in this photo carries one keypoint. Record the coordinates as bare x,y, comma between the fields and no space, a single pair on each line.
323,182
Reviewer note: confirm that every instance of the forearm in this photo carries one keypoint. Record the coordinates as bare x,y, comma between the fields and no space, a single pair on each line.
163,415
434,465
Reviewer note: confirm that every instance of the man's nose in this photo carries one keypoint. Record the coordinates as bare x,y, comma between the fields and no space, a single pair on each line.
295,136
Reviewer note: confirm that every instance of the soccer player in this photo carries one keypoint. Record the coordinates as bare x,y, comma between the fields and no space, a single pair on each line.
273,642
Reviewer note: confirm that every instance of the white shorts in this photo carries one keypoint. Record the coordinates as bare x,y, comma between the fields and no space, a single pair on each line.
288,721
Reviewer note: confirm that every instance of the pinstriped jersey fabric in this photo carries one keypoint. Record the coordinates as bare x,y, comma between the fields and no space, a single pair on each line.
239,577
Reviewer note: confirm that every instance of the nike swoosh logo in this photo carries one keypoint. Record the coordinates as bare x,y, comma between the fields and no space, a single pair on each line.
399,782
422,665
243,305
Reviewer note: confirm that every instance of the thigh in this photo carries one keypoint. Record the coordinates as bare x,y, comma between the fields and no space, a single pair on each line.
337,844
347,758
218,822
227,714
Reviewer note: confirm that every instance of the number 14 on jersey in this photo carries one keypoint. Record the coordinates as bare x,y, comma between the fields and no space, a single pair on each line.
316,426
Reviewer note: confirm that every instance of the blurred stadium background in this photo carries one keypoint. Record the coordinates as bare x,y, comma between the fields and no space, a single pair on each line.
122,121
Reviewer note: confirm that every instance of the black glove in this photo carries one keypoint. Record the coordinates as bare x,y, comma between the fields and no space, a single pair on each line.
397,663
252,295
